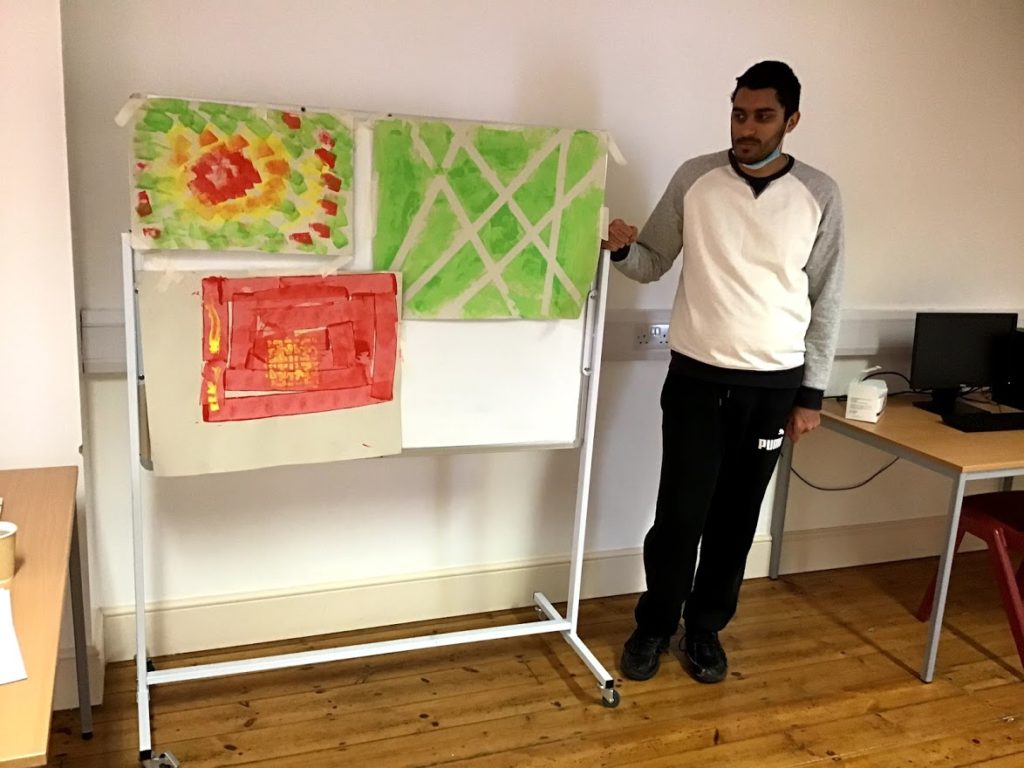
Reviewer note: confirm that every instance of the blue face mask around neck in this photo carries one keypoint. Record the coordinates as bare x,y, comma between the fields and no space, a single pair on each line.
762,163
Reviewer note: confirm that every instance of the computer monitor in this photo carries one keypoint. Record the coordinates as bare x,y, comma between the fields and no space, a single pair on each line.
957,349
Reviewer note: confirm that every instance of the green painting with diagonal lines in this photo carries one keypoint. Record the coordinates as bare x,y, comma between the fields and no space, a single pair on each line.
488,221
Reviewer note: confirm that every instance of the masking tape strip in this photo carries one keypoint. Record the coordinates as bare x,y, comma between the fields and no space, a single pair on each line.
335,264
615,152
170,274
365,197
129,109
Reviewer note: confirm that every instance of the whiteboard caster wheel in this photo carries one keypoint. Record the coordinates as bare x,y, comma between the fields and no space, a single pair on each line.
163,760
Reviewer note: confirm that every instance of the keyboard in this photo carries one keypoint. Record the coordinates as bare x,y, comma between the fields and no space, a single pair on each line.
983,421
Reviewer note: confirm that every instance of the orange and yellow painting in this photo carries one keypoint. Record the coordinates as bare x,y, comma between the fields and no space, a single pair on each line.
229,177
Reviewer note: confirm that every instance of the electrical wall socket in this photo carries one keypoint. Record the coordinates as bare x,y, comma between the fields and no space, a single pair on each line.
651,336
627,335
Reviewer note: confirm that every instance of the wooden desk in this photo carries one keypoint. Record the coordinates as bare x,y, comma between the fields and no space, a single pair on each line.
920,437
41,502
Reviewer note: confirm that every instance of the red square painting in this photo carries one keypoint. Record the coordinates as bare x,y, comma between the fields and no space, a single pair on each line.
279,346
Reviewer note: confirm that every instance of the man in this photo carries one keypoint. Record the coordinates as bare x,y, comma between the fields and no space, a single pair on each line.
753,333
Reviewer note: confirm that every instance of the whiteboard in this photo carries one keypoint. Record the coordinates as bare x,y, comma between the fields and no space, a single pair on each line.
499,382
465,383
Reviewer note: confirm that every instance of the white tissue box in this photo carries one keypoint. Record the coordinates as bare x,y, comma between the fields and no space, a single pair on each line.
865,400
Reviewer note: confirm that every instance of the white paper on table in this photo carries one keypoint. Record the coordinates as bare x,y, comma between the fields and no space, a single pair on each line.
12,666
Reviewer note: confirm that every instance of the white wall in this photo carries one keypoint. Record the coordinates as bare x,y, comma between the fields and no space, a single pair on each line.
40,388
40,416
914,107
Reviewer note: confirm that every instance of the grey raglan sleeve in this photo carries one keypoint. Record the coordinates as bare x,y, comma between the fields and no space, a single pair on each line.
661,238
825,278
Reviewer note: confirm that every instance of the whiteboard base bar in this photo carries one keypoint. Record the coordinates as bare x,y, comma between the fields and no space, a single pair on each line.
288,660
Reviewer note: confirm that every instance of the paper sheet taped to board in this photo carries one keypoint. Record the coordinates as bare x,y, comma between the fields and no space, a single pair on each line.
207,175
252,370
488,221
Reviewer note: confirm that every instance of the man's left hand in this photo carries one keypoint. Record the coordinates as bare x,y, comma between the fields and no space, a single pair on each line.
801,421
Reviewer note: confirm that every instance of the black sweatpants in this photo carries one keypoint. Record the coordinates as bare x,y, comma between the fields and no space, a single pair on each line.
720,445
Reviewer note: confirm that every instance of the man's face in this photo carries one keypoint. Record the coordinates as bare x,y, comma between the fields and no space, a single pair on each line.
758,124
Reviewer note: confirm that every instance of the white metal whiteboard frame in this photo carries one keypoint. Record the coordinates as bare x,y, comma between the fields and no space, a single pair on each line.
147,676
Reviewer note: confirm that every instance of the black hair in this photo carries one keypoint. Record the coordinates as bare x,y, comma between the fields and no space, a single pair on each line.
772,74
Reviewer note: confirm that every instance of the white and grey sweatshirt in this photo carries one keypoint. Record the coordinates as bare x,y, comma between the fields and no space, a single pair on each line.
758,296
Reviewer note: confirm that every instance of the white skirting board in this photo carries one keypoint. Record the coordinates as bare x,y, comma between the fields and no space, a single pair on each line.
846,546
220,621
65,686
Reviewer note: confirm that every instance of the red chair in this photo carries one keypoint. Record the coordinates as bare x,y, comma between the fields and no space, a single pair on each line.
998,520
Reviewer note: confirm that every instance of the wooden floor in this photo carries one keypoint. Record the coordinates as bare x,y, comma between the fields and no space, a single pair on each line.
823,670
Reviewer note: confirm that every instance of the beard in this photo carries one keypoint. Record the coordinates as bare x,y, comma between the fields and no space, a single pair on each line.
752,151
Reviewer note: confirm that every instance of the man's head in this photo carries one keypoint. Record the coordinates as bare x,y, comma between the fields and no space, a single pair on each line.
765,107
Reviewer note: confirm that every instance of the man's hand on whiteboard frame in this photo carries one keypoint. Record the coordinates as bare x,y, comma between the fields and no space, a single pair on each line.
620,234
801,421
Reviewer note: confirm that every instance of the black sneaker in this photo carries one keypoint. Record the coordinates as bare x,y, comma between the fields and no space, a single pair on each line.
704,657
641,655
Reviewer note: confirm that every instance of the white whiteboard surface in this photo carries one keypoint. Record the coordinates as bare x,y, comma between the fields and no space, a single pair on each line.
498,382
465,383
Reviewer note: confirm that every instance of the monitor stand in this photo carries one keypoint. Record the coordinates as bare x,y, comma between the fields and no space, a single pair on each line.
947,401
